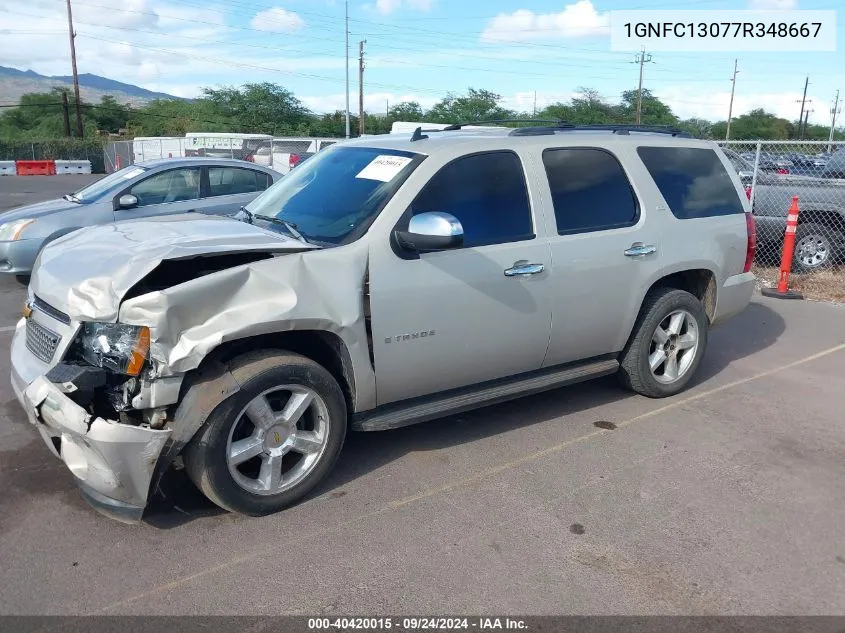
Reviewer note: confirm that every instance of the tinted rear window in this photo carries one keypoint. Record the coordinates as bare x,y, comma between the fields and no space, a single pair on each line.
291,147
693,181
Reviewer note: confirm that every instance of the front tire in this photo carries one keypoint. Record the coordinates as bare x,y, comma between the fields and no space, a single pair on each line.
667,345
267,445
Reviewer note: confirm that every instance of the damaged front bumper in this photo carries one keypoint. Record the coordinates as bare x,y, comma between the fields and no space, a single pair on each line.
113,463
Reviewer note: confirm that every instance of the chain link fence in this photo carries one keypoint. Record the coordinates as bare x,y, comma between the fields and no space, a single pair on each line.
814,171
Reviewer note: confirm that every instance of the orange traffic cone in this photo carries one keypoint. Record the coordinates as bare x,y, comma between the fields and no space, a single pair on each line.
782,291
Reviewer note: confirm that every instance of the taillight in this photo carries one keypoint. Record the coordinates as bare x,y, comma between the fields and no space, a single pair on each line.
783,171
250,158
748,192
751,248
293,161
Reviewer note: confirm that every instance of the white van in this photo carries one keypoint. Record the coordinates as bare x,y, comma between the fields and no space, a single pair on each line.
154,147
249,147
289,152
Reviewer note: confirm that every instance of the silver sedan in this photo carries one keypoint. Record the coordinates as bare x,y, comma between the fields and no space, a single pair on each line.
154,188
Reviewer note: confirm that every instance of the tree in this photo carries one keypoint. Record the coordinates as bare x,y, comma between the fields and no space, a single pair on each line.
587,106
757,124
262,108
406,111
700,128
476,105
109,115
654,111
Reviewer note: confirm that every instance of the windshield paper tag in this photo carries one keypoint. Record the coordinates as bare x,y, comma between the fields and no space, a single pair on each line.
384,168
133,173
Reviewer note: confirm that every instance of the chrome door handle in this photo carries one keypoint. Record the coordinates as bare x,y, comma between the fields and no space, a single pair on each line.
522,269
638,249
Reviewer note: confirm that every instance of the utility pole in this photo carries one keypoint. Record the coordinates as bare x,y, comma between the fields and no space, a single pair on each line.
803,102
833,112
731,106
535,103
75,75
65,114
806,120
346,30
361,87
641,59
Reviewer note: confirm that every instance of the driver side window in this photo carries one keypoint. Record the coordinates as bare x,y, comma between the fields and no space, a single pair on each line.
173,185
488,195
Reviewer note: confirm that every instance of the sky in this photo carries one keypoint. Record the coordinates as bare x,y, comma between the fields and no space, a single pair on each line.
529,51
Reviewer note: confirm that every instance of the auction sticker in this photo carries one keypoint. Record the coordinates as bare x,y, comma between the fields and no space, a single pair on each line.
384,168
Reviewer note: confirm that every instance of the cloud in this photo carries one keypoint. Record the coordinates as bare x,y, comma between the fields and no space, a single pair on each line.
579,19
713,105
772,4
386,7
277,20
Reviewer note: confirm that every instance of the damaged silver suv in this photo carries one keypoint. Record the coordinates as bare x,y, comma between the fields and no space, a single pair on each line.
387,281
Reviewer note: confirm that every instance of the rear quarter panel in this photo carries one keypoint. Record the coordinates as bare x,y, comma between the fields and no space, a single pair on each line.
717,244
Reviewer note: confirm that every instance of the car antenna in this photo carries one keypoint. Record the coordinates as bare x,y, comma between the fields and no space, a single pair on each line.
418,135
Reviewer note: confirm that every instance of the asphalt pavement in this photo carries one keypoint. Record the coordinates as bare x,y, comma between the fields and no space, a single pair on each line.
726,499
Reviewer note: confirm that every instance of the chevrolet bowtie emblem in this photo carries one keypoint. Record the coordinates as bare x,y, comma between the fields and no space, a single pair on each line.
277,438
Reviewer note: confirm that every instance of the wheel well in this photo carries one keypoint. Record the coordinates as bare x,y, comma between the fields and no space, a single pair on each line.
831,219
325,348
700,283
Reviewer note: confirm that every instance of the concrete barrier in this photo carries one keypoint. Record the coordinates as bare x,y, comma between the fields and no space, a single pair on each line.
7,168
73,166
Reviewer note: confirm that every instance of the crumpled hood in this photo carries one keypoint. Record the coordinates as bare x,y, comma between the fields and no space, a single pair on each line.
37,210
86,273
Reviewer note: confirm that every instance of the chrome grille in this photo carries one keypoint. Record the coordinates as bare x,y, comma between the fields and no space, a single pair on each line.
41,341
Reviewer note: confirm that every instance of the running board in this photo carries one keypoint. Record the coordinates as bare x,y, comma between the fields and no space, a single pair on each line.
394,416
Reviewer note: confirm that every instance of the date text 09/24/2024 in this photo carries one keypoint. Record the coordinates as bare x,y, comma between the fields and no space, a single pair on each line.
416,624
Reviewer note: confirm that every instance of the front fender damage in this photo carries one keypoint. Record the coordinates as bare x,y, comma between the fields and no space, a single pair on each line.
318,290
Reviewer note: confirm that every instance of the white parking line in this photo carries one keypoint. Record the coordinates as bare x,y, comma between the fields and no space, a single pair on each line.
7,328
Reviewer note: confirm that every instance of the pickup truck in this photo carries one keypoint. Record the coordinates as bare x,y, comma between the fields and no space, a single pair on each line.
820,239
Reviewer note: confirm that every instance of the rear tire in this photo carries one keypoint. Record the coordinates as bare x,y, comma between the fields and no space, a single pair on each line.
667,344
815,247
267,445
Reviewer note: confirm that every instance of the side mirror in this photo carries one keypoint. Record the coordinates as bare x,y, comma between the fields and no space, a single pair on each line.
127,201
432,231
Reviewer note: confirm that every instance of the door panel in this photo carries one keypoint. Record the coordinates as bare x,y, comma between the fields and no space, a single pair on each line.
453,318
598,218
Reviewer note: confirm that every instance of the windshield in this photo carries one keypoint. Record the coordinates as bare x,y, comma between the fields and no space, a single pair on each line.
113,181
337,191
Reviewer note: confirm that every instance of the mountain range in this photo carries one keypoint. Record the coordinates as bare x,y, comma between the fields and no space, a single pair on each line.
15,83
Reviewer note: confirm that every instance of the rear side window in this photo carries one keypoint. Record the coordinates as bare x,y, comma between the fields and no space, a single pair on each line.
590,191
290,147
227,181
488,195
693,181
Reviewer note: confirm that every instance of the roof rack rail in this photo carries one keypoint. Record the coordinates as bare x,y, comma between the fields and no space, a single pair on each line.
616,128
458,126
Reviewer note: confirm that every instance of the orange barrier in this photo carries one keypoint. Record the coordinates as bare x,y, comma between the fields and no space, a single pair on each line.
35,167
783,291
